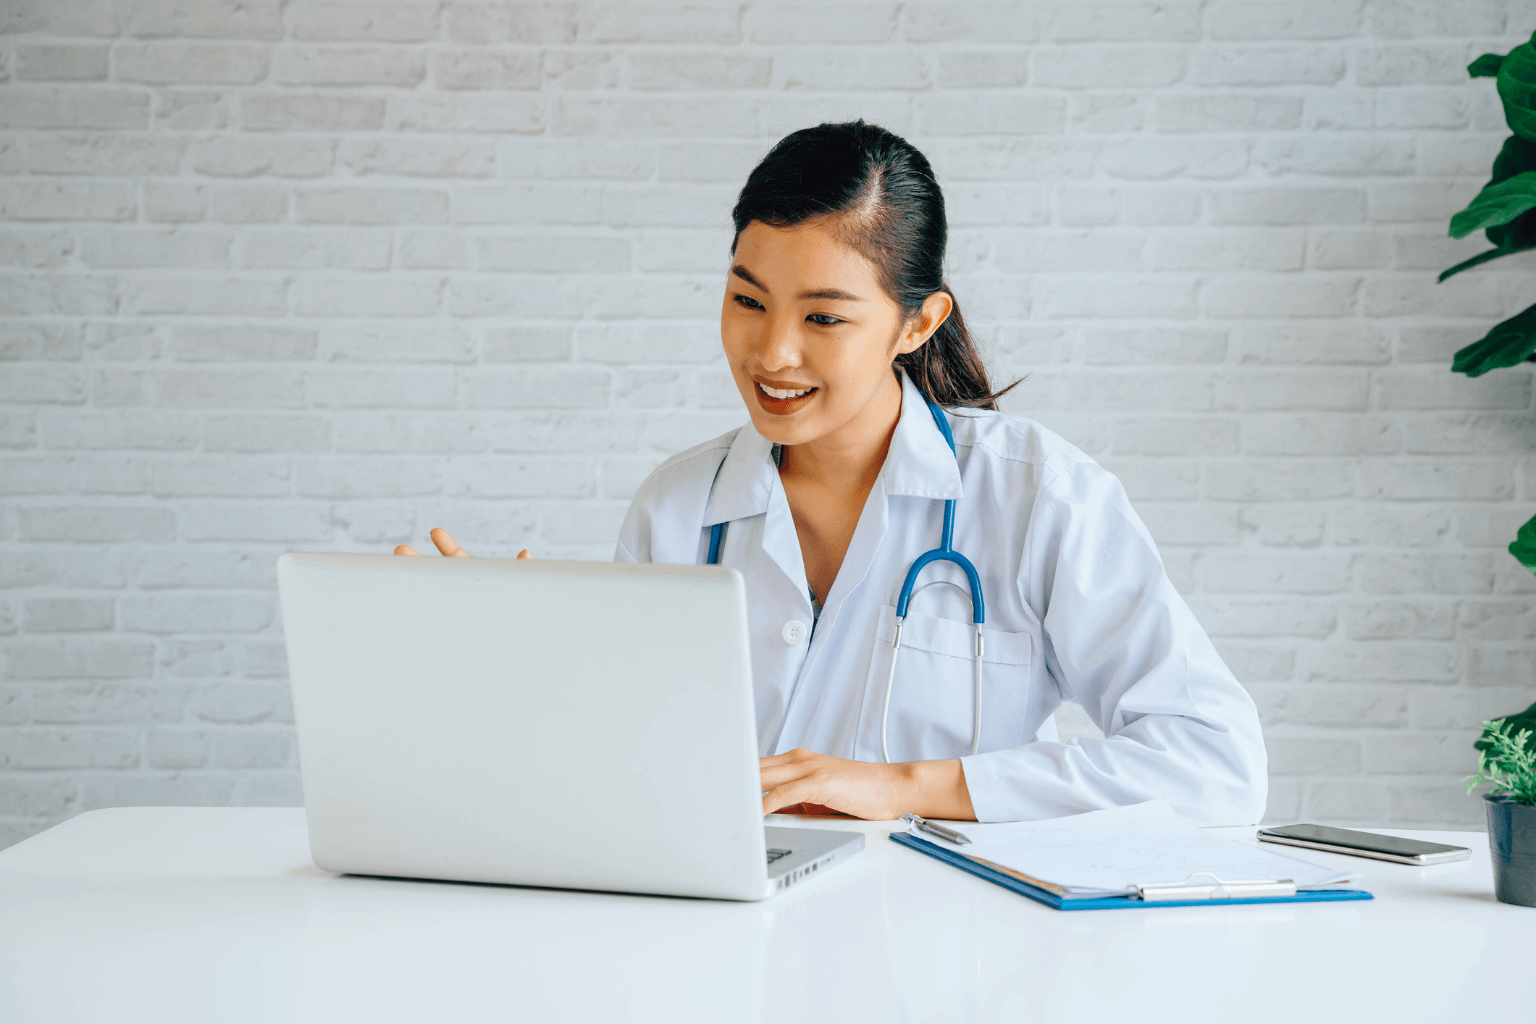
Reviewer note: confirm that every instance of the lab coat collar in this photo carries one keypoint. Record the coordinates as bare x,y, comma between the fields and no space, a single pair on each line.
919,463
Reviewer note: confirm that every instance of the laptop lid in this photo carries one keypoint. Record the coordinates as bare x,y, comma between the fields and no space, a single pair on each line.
570,724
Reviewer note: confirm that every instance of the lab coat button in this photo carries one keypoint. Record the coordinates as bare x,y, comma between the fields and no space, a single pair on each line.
794,632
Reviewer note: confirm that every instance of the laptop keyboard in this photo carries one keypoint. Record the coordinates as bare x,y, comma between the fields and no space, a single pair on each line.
777,854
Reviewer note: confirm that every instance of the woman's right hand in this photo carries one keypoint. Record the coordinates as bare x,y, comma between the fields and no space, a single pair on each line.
446,544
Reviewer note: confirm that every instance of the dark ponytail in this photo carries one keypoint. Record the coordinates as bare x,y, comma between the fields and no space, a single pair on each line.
887,205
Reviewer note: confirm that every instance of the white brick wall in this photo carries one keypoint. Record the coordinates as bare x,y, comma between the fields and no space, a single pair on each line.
323,275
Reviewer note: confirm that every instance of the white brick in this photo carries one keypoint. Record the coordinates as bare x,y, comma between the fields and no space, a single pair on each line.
656,23
421,433
1279,480
531,344
371,389
1183,435
938,22
1271,297
227,476
23,247
1266,65
1286,343
115,658
266,433
96,524
1117,21
107,155
348,66
367,296
1178,112
258,521
1284,206
473,22
389,343
1151,346
65,200
959,114
1097,67
190,63
69,614
479,69
154,247
321,112
1249,249
542,388
66,107
316,248
392,21
278,155
468,112
526,204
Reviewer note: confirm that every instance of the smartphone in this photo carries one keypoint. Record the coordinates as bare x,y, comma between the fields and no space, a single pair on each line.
1364,844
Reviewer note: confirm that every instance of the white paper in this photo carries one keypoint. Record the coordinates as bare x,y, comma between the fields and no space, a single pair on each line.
1114,850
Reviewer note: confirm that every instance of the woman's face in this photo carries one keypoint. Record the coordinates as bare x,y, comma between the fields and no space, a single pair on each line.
809,332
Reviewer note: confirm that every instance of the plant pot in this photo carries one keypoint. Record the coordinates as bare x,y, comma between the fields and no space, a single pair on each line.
1512,844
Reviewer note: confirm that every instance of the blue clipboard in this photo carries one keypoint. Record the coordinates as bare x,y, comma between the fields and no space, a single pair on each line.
1050,899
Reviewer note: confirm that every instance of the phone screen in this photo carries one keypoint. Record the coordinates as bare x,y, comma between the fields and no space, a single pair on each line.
1360,840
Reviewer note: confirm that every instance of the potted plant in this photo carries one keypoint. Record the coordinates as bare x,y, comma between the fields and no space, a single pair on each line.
1507,759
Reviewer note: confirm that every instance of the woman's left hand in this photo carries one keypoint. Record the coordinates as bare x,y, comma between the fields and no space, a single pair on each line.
865,789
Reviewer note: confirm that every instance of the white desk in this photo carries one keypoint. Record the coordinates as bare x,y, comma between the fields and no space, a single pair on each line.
203,914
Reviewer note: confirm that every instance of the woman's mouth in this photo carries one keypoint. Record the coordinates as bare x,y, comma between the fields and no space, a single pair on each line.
781,400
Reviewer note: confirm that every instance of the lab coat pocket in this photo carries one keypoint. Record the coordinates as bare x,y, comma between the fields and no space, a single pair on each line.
933,692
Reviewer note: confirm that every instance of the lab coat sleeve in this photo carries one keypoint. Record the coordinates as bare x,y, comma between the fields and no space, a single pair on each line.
1122,643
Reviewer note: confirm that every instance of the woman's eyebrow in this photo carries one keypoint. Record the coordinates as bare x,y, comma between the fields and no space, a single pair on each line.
746,275
835,294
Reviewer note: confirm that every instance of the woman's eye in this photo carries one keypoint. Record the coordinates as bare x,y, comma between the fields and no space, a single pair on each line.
823,319
748,301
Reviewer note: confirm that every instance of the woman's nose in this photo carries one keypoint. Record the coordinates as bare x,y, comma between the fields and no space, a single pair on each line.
780,348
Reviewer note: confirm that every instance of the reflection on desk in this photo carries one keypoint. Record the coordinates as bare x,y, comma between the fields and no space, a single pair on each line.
212,914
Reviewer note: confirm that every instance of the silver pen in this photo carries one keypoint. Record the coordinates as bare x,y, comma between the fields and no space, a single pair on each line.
958,838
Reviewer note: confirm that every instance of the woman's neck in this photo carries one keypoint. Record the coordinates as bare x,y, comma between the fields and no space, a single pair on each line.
849,458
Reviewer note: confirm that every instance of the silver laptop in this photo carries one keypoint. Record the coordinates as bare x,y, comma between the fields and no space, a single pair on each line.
577,725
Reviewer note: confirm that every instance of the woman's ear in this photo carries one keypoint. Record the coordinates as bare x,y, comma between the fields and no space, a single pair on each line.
935,310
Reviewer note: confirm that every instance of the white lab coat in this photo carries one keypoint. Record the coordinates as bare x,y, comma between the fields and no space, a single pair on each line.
1078,608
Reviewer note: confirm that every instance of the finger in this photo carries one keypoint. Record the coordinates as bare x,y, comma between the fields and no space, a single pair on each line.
788,757
406,549
778,775
446,544
790,793
523,553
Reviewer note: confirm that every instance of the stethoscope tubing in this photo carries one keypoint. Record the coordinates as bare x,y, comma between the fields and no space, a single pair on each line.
945,552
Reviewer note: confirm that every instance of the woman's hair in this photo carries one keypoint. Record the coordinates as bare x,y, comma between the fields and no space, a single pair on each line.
883,200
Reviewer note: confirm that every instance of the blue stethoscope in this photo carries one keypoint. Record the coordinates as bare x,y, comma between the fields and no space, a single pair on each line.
945,552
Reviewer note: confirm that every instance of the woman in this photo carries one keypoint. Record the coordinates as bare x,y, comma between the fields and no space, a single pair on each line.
839,330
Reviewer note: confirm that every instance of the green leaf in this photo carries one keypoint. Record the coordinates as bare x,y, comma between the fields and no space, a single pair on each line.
1516,81
1508,344
1482,257
1497,204
1513,723
1524,549
1515,157
1486,66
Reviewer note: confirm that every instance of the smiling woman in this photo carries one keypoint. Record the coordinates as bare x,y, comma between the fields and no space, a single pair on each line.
872,420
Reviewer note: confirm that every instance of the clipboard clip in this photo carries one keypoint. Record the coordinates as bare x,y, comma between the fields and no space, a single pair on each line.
1218,889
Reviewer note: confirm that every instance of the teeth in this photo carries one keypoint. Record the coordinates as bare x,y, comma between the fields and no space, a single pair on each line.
779,393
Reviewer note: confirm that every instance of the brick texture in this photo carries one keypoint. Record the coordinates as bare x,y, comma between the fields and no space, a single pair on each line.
322,275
